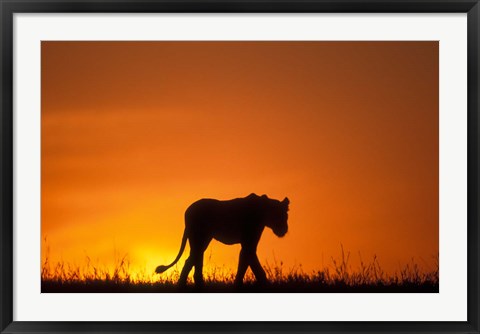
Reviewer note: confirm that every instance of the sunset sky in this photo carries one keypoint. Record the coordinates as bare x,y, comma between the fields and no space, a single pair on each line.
134,132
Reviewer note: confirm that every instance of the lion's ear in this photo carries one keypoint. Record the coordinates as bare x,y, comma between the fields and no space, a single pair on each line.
286,201
264,196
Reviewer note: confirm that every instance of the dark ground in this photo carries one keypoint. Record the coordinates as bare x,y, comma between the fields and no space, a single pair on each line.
99,286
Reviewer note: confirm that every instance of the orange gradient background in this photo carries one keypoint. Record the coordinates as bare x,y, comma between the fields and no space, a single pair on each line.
134,132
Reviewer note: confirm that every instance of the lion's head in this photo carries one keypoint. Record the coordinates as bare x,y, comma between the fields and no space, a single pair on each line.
277,215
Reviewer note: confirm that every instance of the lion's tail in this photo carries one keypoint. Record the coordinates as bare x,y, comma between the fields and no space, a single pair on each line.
161,269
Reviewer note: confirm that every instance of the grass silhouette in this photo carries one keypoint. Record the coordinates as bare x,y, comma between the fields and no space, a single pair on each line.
368,277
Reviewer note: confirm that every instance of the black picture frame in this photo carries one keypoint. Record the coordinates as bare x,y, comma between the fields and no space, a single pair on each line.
10,7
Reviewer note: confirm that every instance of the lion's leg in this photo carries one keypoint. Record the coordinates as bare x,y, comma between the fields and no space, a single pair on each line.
198,263
242,267
198,247
185,271
257,269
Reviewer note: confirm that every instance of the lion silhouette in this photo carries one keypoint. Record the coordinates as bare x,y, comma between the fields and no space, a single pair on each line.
236,221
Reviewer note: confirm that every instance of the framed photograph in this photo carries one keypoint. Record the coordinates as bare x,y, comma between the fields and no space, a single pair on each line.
242,166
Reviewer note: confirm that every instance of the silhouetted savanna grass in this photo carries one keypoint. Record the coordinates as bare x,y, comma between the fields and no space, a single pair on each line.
339,276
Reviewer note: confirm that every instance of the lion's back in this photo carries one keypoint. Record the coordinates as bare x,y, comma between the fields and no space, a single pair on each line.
220,219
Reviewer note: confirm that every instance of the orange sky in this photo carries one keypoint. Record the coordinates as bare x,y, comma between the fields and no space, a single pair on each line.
133,132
